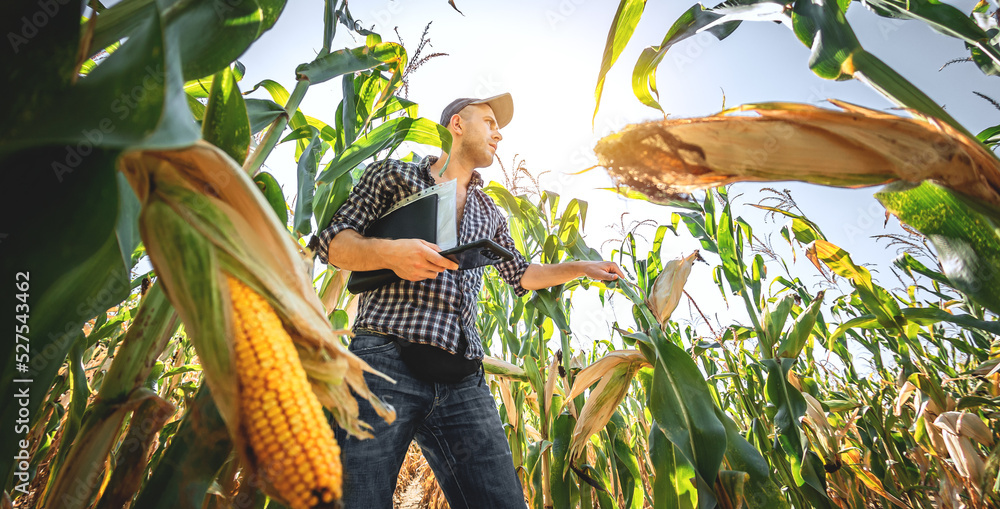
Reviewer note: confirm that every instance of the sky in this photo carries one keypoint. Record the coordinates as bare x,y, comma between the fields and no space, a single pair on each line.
547,54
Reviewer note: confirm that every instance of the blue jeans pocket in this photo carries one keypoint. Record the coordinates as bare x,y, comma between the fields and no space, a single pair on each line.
364,344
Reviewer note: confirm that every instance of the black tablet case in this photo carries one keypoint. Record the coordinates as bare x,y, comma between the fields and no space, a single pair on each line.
416,220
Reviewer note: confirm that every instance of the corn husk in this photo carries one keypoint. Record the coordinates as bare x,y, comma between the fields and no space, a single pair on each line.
959,430
613,374
855,147
669,287
203,218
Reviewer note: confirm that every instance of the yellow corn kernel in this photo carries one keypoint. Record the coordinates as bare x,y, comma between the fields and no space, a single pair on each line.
284,421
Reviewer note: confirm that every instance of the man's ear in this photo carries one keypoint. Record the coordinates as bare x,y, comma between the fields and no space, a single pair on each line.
456,123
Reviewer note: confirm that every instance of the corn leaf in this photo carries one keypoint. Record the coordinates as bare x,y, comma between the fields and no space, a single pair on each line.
192,459
226,124
622,28
760,492
941,17
874,297
307,185
560,481
689,24
272,193
684,409
774,321
387,136
793,343
261,112
329,66
967,241
807,470
672,486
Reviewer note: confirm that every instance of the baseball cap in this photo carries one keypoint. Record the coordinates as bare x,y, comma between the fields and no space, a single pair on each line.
502,105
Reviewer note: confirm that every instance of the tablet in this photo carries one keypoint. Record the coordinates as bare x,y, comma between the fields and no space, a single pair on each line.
477,254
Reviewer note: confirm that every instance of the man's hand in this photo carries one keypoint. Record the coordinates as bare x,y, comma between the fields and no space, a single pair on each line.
416,259
603,271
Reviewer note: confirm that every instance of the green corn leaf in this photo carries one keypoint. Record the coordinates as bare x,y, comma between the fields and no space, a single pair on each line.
727,250
793,343
622,28
211,36
560,481
693,21
908,263
307,186
272,193
626,464
261,113
348,112
990,135
120,21
861,322
329,198
387,136
672,486
774,322
280,96
226,124
875,298
136,93
383,55
967,241
790,407
760,492
876,74
942,18
72,265
192,459
270,11
684,409
822,26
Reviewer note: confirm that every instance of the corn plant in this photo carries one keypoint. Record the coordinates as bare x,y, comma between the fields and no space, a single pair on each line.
173,166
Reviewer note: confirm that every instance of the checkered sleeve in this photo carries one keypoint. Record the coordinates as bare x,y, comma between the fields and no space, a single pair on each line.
370,197
511,271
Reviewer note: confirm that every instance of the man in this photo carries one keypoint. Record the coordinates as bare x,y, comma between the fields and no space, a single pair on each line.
433,308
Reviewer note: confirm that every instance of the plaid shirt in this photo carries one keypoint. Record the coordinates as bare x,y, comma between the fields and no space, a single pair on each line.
433,311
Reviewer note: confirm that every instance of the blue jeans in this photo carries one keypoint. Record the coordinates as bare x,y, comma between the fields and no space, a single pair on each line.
456,425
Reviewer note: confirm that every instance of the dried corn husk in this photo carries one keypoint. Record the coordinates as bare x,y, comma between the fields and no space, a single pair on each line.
855,147
613,374
959,430
669,287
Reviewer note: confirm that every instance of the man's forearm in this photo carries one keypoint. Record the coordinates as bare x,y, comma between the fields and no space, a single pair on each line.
539,276
351,251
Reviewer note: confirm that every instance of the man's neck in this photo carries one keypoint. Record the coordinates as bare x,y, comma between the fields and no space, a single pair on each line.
457,170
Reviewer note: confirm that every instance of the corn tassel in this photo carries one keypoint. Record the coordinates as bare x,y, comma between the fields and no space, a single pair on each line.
291,439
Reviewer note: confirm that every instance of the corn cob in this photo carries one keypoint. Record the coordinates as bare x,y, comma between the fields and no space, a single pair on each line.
293,444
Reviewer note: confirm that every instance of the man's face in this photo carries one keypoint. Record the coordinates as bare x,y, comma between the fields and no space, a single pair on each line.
480,135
